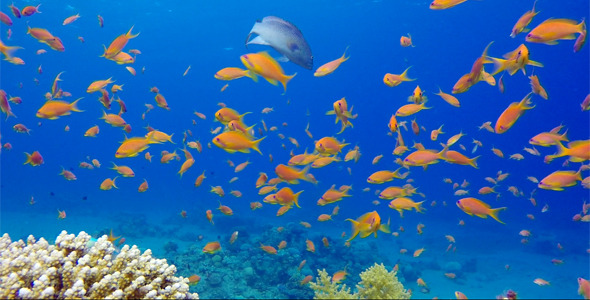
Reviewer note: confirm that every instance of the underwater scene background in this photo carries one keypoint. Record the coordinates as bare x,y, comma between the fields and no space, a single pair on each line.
486,259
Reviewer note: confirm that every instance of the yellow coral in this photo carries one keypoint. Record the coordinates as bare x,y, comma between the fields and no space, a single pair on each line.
376,283
75,268
324,288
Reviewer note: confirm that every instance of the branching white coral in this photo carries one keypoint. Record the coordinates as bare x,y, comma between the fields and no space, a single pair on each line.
74,268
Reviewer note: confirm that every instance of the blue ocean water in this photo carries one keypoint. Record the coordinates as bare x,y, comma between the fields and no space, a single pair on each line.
210,35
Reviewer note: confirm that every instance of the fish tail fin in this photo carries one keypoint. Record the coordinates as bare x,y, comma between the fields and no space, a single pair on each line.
105,51
114,182
255,145
355,229
285,80
130,35
74,107
419,207
404,75
499,65
525,103
344,58
473,162
384,228
252,75
29,156
296,198
494,213
170,139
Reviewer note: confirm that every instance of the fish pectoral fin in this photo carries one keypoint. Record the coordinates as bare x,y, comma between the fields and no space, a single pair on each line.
482,216
365,234
282,59
258,41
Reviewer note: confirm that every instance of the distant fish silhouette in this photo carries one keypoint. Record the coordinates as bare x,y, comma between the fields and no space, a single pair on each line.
283,37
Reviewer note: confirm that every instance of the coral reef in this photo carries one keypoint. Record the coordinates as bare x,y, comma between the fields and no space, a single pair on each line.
324,288
376,283
76,267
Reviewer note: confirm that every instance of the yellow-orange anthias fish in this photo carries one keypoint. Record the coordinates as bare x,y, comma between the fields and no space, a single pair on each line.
118,44
367,224
472,206
232,141
330,67
264,65
512,113
54,109
552,30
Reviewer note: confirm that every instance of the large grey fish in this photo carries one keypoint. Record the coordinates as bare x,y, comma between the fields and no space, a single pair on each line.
283,37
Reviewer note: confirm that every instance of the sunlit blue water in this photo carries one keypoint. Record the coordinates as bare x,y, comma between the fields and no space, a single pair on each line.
210,35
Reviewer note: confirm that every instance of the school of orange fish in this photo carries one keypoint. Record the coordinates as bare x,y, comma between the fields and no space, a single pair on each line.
236,136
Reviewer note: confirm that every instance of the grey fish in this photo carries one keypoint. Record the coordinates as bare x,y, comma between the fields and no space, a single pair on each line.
283,37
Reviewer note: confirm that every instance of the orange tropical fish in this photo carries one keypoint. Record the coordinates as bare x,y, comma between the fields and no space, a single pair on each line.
444,4
472,206
268,249
552,30
292,175
385,176
418,252
98,85
71,19
329,146
306,280
34,159
557,180
524,21
410,109
401,203
68,175
460,159
514,61
232,141
367,224
330,67
143,186
537,87
231,73
92,131
406,41
424,158
578,151
309,246
30,10
512,113
285,196
125,171
450,99
212,247
131,147
333,195
209,215
54,109
392,80
108,184
118,44
264,65
417,96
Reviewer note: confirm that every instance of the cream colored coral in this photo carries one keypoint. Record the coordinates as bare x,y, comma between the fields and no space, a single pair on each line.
73,268
377,283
